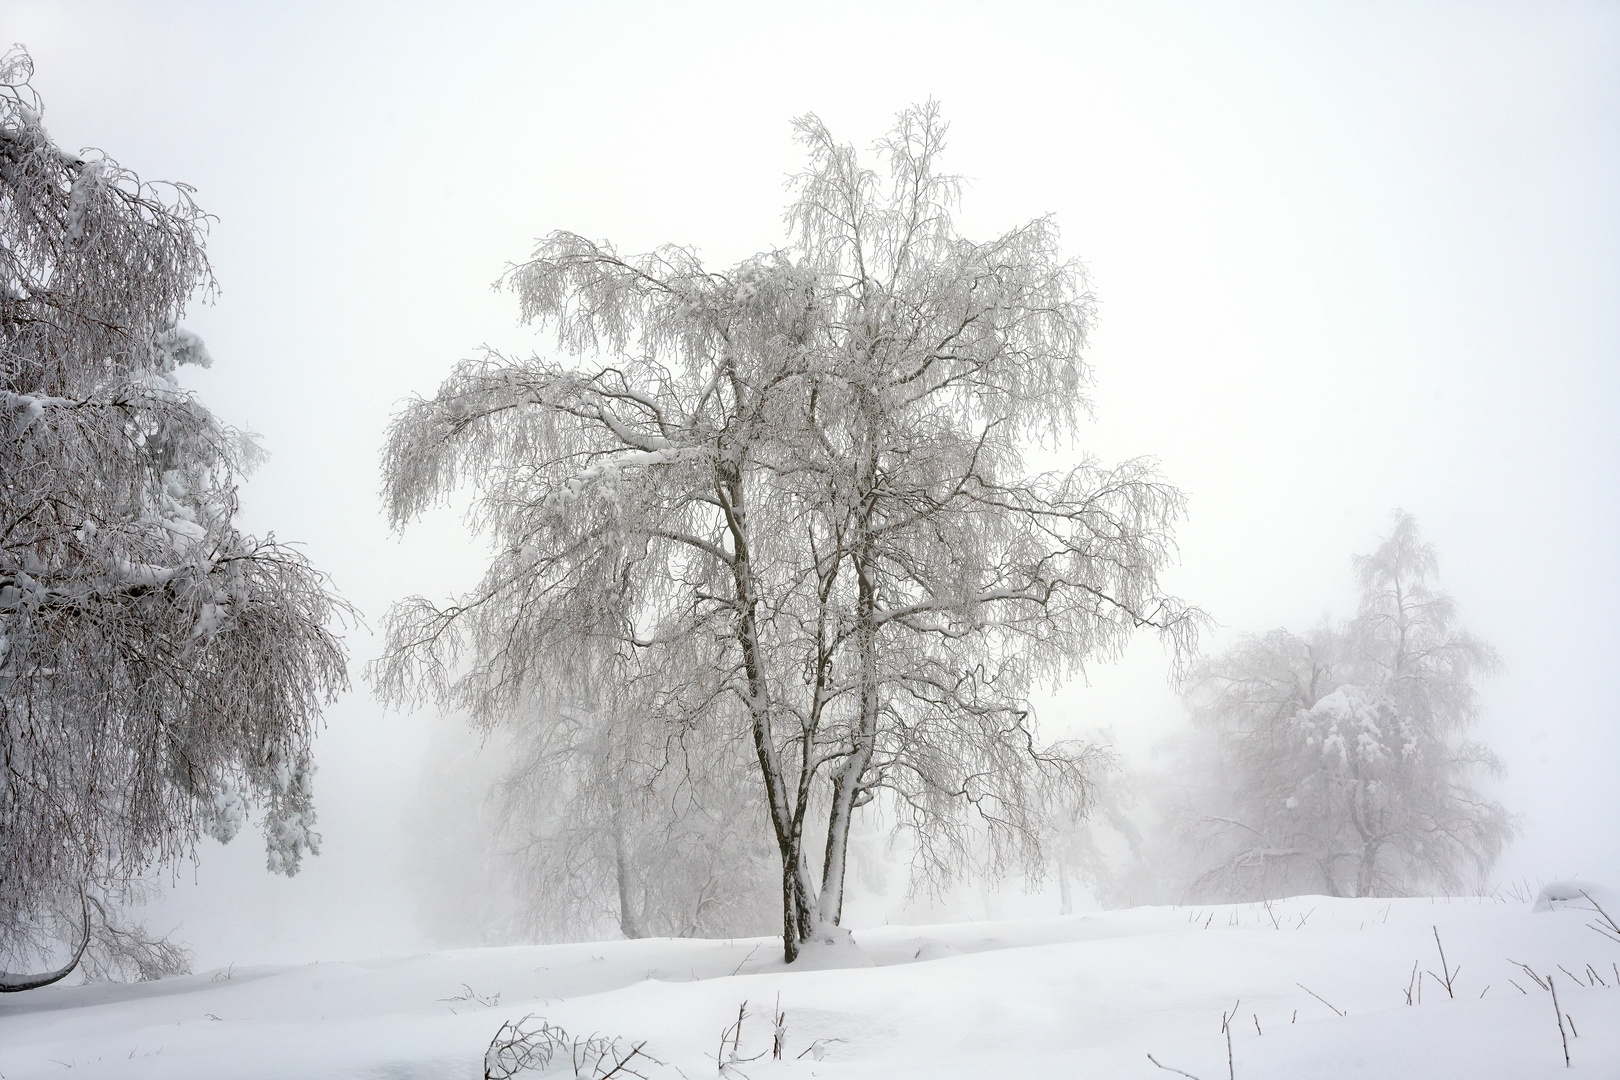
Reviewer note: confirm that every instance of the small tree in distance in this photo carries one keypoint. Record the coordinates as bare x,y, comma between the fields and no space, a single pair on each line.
788,499
605,821
160,671
1335,761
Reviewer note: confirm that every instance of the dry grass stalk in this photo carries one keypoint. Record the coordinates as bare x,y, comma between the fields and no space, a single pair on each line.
1449,973
1607,926
1167,1068
1560,1014
1320,998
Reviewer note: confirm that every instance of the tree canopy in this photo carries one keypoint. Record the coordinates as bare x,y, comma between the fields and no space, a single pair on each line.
1336,759
160,671
789,499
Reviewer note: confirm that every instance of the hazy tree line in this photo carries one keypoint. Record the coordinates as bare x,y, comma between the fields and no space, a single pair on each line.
766,556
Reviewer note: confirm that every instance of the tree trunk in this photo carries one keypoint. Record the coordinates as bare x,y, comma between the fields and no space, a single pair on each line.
629,924
1328,883
1367,870
798,917
847,780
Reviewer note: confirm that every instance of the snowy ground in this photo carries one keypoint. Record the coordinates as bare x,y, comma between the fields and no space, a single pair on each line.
1089,995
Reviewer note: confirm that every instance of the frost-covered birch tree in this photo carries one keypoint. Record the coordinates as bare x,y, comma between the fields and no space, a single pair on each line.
790,497
160,671
1336,761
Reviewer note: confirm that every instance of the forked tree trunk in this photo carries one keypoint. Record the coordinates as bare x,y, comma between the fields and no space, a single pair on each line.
798,916
806,909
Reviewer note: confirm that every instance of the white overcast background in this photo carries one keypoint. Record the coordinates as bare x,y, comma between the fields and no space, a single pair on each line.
1350,257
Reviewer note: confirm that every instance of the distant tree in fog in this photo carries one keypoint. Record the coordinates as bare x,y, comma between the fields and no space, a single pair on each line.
607,822
160,671
790,498
1095,838
1335,761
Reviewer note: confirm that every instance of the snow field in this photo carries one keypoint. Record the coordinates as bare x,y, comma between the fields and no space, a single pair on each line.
1086,995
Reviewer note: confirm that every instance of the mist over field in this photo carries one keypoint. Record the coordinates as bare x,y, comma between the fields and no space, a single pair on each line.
1342,268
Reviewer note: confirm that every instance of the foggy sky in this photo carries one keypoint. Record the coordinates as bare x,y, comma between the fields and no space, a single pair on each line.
1350,258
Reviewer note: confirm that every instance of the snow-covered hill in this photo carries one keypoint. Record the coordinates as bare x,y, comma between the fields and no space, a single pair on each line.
1087,995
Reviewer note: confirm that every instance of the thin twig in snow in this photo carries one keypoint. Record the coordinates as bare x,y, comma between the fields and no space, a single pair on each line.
779,1034
1450,975
1529,972
1320,998
745,959
1612,930
1560,1014
816,1049
1167,1068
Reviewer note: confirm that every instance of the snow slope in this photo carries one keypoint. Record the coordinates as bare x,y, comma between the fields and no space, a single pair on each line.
1089,995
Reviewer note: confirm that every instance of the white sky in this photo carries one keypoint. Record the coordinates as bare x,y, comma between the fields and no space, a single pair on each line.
1351,257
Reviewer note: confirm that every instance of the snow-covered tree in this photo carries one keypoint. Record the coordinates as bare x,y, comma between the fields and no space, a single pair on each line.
1335,761
790,498
160,671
